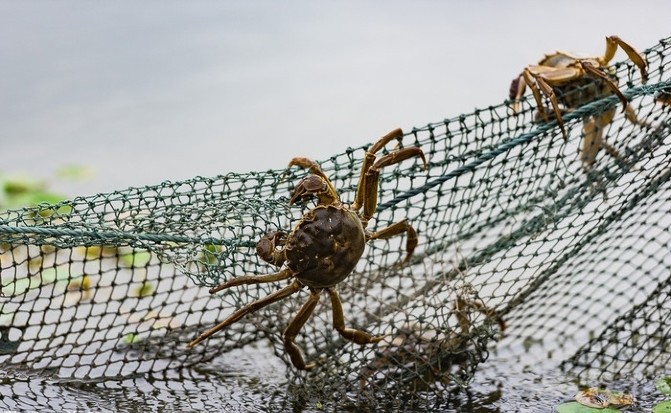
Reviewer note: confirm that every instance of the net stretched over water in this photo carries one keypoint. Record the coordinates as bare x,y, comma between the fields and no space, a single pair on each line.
519,241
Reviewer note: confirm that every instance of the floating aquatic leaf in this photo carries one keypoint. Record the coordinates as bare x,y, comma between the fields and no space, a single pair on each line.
46,276
80,283
210,254
136,259
663,384
20,286
54,274
663,407
131,338
17,186
575,407
143,290
97,251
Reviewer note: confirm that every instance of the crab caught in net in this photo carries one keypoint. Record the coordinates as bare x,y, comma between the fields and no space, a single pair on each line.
419,356
569,82
324,247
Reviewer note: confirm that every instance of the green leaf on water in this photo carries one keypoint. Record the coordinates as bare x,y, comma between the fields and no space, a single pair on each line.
663,384
143,290
210,254
575,407
663,407
17,186
46,276
136,259
131,338
20,286
53,274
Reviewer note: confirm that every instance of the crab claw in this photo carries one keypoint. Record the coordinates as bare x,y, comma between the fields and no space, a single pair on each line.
312,185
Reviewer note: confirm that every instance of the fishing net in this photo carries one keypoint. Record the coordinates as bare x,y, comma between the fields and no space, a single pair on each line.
519,241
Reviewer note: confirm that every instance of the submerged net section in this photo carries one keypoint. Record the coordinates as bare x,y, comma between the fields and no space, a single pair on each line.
518,240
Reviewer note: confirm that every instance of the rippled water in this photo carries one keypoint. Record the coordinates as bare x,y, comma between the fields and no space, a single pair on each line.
252,379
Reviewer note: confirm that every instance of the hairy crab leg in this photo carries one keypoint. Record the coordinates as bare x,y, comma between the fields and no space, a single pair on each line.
295,326
249,308
517,88
368,160
253,279
593,71
612,42
592,142
531,81
395,229
462,309
543,82
352,334
371,180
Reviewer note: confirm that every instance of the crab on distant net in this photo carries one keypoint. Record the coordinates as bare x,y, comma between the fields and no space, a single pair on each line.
433,355
664,96
569,82
324,246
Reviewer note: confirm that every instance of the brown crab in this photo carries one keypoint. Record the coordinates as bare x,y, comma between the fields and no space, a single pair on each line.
569,82
434,355
664,96
324,247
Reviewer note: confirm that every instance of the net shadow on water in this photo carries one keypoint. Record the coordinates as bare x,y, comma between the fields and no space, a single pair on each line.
100,295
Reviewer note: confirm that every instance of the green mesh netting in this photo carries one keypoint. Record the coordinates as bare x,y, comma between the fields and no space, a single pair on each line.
114,285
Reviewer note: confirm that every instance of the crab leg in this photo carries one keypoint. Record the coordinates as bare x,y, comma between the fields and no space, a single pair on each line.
517,88
592,143
249,308
543,77
395,229
591,70
530,79
295,326
461,311
351,334
549,92
612,42
371,180
253,279
368,161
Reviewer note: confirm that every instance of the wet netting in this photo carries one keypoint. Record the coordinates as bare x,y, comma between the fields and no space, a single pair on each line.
520,239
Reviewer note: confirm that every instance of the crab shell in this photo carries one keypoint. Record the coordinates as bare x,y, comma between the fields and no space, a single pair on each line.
325,246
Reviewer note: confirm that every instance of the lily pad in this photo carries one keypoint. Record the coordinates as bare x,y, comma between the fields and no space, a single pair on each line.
136,259
131,338
663,407
664,385
575,407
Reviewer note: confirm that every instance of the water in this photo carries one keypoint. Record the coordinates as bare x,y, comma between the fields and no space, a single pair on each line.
143,93
252,380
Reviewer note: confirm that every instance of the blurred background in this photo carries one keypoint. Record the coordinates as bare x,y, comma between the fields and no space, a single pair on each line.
135,93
